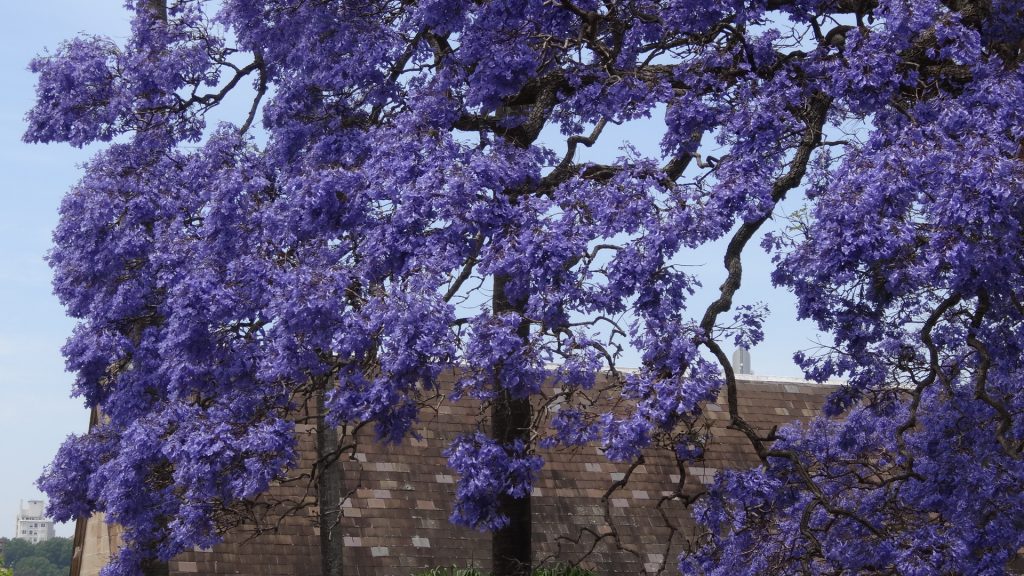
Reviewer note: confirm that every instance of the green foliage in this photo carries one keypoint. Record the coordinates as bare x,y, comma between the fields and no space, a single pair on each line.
16,550
451,571
37,566
562,570
49,558
56,550
556,570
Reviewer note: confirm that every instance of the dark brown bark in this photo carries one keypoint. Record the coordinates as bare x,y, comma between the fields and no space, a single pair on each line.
511,546
158,8
155,568
329,488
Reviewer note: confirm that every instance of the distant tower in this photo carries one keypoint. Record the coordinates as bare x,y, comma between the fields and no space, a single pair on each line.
33,525
741,361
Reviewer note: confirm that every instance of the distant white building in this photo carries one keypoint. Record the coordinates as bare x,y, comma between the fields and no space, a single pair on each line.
33,525
741,362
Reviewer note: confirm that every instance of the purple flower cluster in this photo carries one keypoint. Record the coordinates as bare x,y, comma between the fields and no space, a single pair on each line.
487,471
867,495
415,188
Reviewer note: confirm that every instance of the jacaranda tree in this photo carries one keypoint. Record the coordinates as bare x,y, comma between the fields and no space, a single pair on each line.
408,187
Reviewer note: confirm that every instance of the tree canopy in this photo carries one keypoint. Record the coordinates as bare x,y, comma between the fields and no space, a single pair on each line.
37,566
407,187
47,558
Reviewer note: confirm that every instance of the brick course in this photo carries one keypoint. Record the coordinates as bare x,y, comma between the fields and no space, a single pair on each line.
396,517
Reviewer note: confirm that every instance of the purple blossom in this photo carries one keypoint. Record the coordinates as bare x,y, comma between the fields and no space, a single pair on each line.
487,470
422,196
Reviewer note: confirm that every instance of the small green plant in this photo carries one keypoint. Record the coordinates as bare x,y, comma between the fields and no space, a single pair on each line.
451,571
562,570
555,570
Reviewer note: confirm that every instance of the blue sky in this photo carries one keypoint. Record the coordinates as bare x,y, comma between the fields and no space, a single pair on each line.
36,413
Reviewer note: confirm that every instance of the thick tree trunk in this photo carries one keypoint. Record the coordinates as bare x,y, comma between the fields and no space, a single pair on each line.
329,488
158,8
155,568
511,547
